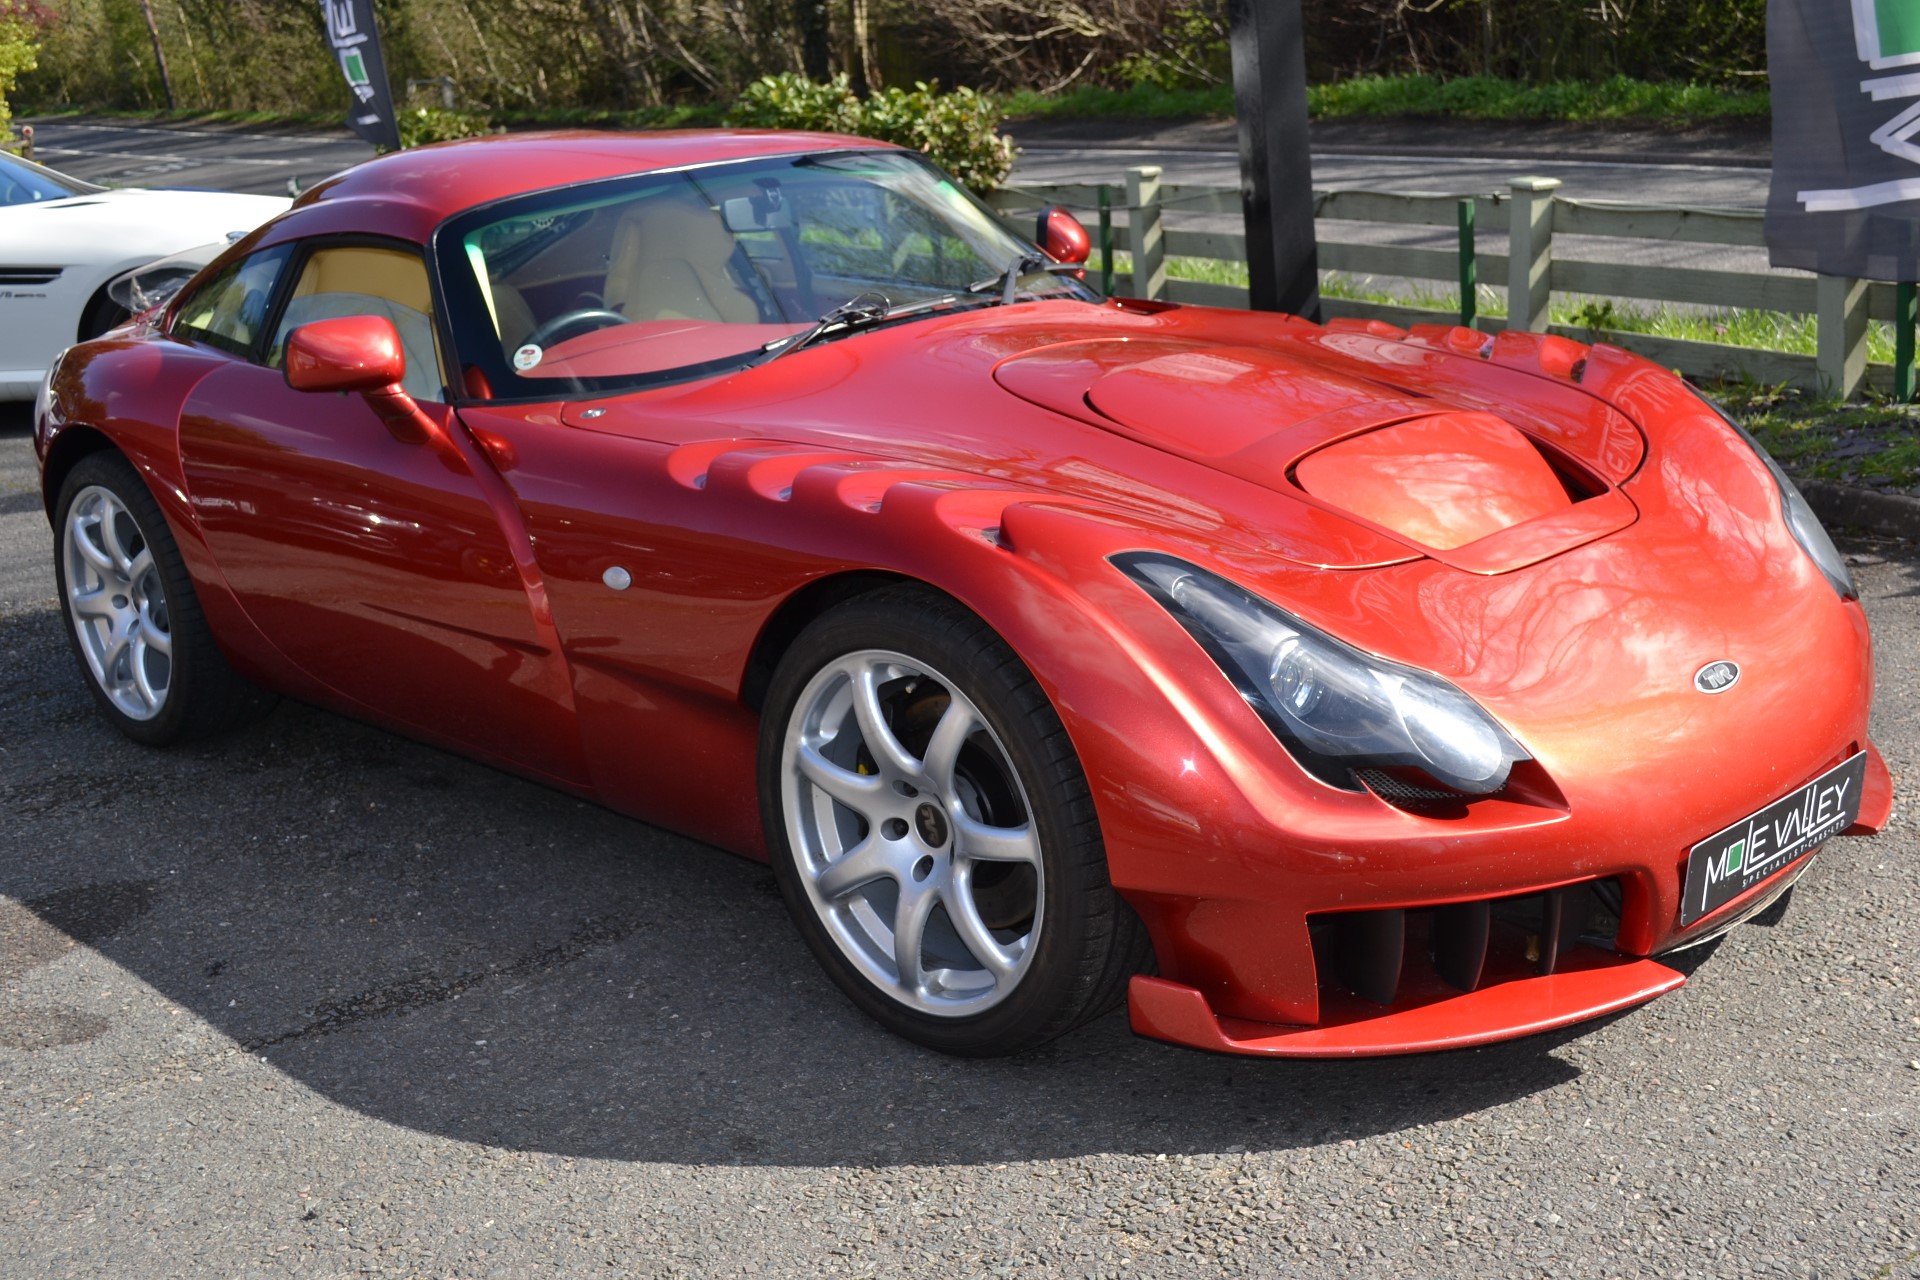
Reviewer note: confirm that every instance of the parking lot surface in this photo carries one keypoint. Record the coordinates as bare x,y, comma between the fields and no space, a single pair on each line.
314,1000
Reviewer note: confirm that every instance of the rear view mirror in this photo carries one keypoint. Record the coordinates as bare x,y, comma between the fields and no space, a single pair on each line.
1062,236
352,353
756,213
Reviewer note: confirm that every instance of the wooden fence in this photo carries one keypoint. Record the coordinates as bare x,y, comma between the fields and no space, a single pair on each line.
1531,213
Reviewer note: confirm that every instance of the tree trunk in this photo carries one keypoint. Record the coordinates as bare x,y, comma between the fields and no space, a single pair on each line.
816,45
159,54
865,78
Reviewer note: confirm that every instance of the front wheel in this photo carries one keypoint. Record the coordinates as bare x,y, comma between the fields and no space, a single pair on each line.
932,831
132,617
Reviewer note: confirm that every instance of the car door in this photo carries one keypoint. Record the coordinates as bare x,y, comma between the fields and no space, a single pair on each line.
383,567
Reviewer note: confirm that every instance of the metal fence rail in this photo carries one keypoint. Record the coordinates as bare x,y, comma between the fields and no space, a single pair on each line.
1531,213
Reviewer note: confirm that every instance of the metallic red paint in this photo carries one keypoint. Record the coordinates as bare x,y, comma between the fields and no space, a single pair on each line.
455,586
352,353
1061,235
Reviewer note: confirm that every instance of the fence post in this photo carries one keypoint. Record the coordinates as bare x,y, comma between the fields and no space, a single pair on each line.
1904,312
1469,267
1842,310
1144,236
1530,253
1106,241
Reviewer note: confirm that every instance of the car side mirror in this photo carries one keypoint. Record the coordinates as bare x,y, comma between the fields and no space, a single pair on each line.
1062,236
351,353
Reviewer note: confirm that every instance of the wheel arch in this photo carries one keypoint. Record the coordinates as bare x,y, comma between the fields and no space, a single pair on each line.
798,611
85,329
75,441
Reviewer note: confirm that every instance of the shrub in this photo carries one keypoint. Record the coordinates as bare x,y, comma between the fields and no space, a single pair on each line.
439,124
789,101
959,131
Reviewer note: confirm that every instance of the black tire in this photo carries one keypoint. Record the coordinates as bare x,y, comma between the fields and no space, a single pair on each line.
102,314
203,695
1088,941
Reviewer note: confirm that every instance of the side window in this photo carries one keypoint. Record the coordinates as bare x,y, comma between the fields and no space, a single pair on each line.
229,310
364,280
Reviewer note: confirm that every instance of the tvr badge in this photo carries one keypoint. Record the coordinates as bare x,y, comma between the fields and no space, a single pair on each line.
1716,677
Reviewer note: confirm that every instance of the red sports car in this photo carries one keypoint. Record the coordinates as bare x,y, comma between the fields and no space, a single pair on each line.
1321,691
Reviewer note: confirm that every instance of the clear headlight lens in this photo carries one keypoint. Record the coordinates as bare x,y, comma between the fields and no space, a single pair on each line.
1801,522
43,398
1335,708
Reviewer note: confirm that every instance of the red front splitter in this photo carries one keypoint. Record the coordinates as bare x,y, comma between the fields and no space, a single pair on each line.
1590,984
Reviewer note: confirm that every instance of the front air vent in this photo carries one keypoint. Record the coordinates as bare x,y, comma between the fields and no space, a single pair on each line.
19,277
1425,953
1413,790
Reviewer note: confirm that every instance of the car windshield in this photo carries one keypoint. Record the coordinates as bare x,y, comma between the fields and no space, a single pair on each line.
635,281
24,182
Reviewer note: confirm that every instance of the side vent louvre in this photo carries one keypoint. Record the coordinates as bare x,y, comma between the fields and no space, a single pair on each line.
21,276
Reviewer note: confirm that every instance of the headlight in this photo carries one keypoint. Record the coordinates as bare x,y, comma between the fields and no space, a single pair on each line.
1334,708
1801,522
43,398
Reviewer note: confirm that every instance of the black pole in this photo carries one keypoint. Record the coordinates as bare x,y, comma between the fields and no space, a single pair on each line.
1276,175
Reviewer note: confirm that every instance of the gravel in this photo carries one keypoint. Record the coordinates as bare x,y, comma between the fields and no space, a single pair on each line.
314,1000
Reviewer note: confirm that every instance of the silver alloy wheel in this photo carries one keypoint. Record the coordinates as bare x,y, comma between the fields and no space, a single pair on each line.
912,833
116,603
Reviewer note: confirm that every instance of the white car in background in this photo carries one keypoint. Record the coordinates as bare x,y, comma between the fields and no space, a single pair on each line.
62,240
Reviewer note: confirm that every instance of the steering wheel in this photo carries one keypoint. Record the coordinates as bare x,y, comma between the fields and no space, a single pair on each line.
592,317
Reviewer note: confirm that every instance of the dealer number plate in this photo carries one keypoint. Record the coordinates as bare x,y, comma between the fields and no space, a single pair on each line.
1723,867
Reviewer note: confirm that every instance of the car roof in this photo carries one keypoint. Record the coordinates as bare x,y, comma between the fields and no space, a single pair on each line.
408,193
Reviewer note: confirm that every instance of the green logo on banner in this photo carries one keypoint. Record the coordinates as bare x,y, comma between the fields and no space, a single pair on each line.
1887,31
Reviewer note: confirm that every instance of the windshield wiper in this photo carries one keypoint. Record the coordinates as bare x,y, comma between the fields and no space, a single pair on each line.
861,311
1027,264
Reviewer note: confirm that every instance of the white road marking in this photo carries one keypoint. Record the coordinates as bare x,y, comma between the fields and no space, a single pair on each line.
149,158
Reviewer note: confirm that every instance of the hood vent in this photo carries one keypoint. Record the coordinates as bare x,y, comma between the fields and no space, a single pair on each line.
1442,481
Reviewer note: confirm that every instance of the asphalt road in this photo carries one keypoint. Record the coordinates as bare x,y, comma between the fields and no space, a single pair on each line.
1694,172
314,1000
210,157
1688,170
235,159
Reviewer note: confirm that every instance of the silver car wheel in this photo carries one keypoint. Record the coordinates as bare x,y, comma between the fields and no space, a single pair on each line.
116,603
912,834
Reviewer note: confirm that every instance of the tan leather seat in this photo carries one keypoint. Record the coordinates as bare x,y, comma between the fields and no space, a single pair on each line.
669,262
514,316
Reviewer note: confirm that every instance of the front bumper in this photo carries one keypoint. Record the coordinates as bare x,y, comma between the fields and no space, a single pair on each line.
1528,975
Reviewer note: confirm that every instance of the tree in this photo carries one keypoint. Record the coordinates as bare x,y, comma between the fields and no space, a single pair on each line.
21,22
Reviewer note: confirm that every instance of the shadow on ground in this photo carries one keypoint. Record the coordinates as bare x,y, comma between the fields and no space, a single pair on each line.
442,947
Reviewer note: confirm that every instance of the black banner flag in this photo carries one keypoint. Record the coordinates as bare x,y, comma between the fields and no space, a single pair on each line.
1845,199
356,45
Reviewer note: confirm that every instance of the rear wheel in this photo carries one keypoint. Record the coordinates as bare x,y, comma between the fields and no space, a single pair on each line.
132,617
932,831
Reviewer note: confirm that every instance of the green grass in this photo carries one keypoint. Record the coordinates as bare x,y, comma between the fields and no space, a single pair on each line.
1465,98
1763,330
1759,330
1140,102
1488,98
1876,442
